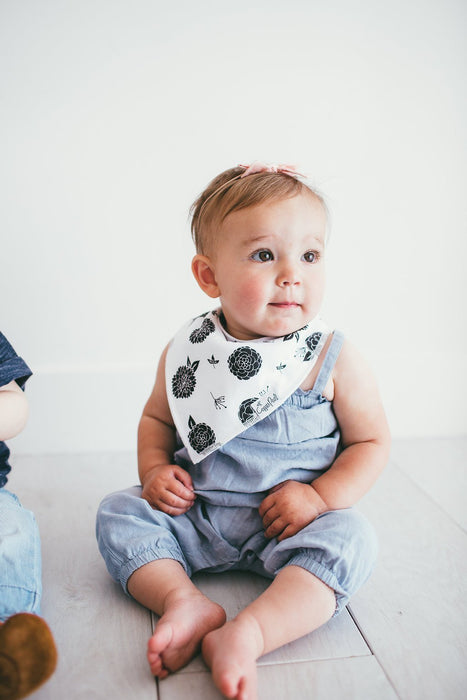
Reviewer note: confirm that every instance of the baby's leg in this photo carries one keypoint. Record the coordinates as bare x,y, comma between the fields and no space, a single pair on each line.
295,604
186,614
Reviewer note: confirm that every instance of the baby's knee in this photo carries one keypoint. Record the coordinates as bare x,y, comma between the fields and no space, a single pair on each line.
113,522
359,533
130,534
339,547
352,548
115,509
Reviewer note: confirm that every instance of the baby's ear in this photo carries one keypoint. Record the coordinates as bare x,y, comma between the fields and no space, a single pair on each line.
203,271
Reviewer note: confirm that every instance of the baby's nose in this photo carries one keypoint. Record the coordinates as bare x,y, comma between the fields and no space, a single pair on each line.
288,275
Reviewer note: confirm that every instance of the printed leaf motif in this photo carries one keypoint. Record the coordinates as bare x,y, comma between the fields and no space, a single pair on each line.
219,402
295,334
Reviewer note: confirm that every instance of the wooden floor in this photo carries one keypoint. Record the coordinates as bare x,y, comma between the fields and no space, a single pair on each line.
403,636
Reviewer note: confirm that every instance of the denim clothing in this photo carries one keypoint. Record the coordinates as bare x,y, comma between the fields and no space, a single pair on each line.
12,368
20,558
20,553
223,529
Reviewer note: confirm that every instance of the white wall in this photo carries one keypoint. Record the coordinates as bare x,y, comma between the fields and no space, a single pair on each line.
115,114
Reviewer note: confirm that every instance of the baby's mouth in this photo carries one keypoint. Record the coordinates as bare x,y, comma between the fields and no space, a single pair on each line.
285,304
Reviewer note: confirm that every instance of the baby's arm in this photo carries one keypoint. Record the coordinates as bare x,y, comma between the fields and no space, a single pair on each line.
365,440
364,433
166,486
13,410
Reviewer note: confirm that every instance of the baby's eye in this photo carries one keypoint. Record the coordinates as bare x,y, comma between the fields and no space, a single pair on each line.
310,256
262,256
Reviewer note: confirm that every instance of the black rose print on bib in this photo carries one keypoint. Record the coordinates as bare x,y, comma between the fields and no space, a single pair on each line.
246,411
244,362
201,436
312,343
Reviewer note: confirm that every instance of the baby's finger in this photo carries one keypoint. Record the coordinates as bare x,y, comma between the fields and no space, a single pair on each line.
269,517
183,477
171,500
182,491
175,511
275,529
266,504
289,531
171,510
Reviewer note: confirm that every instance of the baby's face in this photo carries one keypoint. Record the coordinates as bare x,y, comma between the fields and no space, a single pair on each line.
269,266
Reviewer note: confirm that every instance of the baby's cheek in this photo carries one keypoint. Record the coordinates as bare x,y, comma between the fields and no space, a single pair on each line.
252,292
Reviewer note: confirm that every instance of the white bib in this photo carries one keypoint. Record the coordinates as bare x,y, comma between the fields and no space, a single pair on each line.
218,386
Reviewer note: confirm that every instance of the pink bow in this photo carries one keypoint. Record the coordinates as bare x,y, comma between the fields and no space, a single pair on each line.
258,167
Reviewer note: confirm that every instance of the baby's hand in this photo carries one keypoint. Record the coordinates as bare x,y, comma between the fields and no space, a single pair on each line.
168,488
288,508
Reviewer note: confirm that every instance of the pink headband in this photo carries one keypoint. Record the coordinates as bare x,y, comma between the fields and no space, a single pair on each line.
253,169
259,167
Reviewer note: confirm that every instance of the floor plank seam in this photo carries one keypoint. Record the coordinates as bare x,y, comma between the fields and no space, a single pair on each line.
289,662
357,625
372,651
321,659
387,676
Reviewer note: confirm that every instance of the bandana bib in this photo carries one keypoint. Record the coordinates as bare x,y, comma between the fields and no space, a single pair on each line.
217,386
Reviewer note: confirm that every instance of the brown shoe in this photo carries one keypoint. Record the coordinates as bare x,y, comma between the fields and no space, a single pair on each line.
27,655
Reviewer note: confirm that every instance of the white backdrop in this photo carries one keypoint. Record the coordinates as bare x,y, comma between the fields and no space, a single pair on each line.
114,115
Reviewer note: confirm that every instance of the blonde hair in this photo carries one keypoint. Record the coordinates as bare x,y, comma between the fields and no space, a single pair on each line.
229,192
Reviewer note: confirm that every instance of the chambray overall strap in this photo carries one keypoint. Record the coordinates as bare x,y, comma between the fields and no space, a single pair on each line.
329,362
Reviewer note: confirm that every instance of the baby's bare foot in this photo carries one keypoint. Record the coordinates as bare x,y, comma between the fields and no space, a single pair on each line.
178,633
231,653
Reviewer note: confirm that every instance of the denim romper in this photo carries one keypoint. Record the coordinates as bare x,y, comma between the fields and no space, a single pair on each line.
223,530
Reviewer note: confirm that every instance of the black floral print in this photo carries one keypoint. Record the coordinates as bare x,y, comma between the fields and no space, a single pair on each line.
246,411
200,334
244,362
201,436
312,343
184,380
295,335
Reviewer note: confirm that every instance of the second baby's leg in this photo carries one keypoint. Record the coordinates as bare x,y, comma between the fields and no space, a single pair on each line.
296,603
186,615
